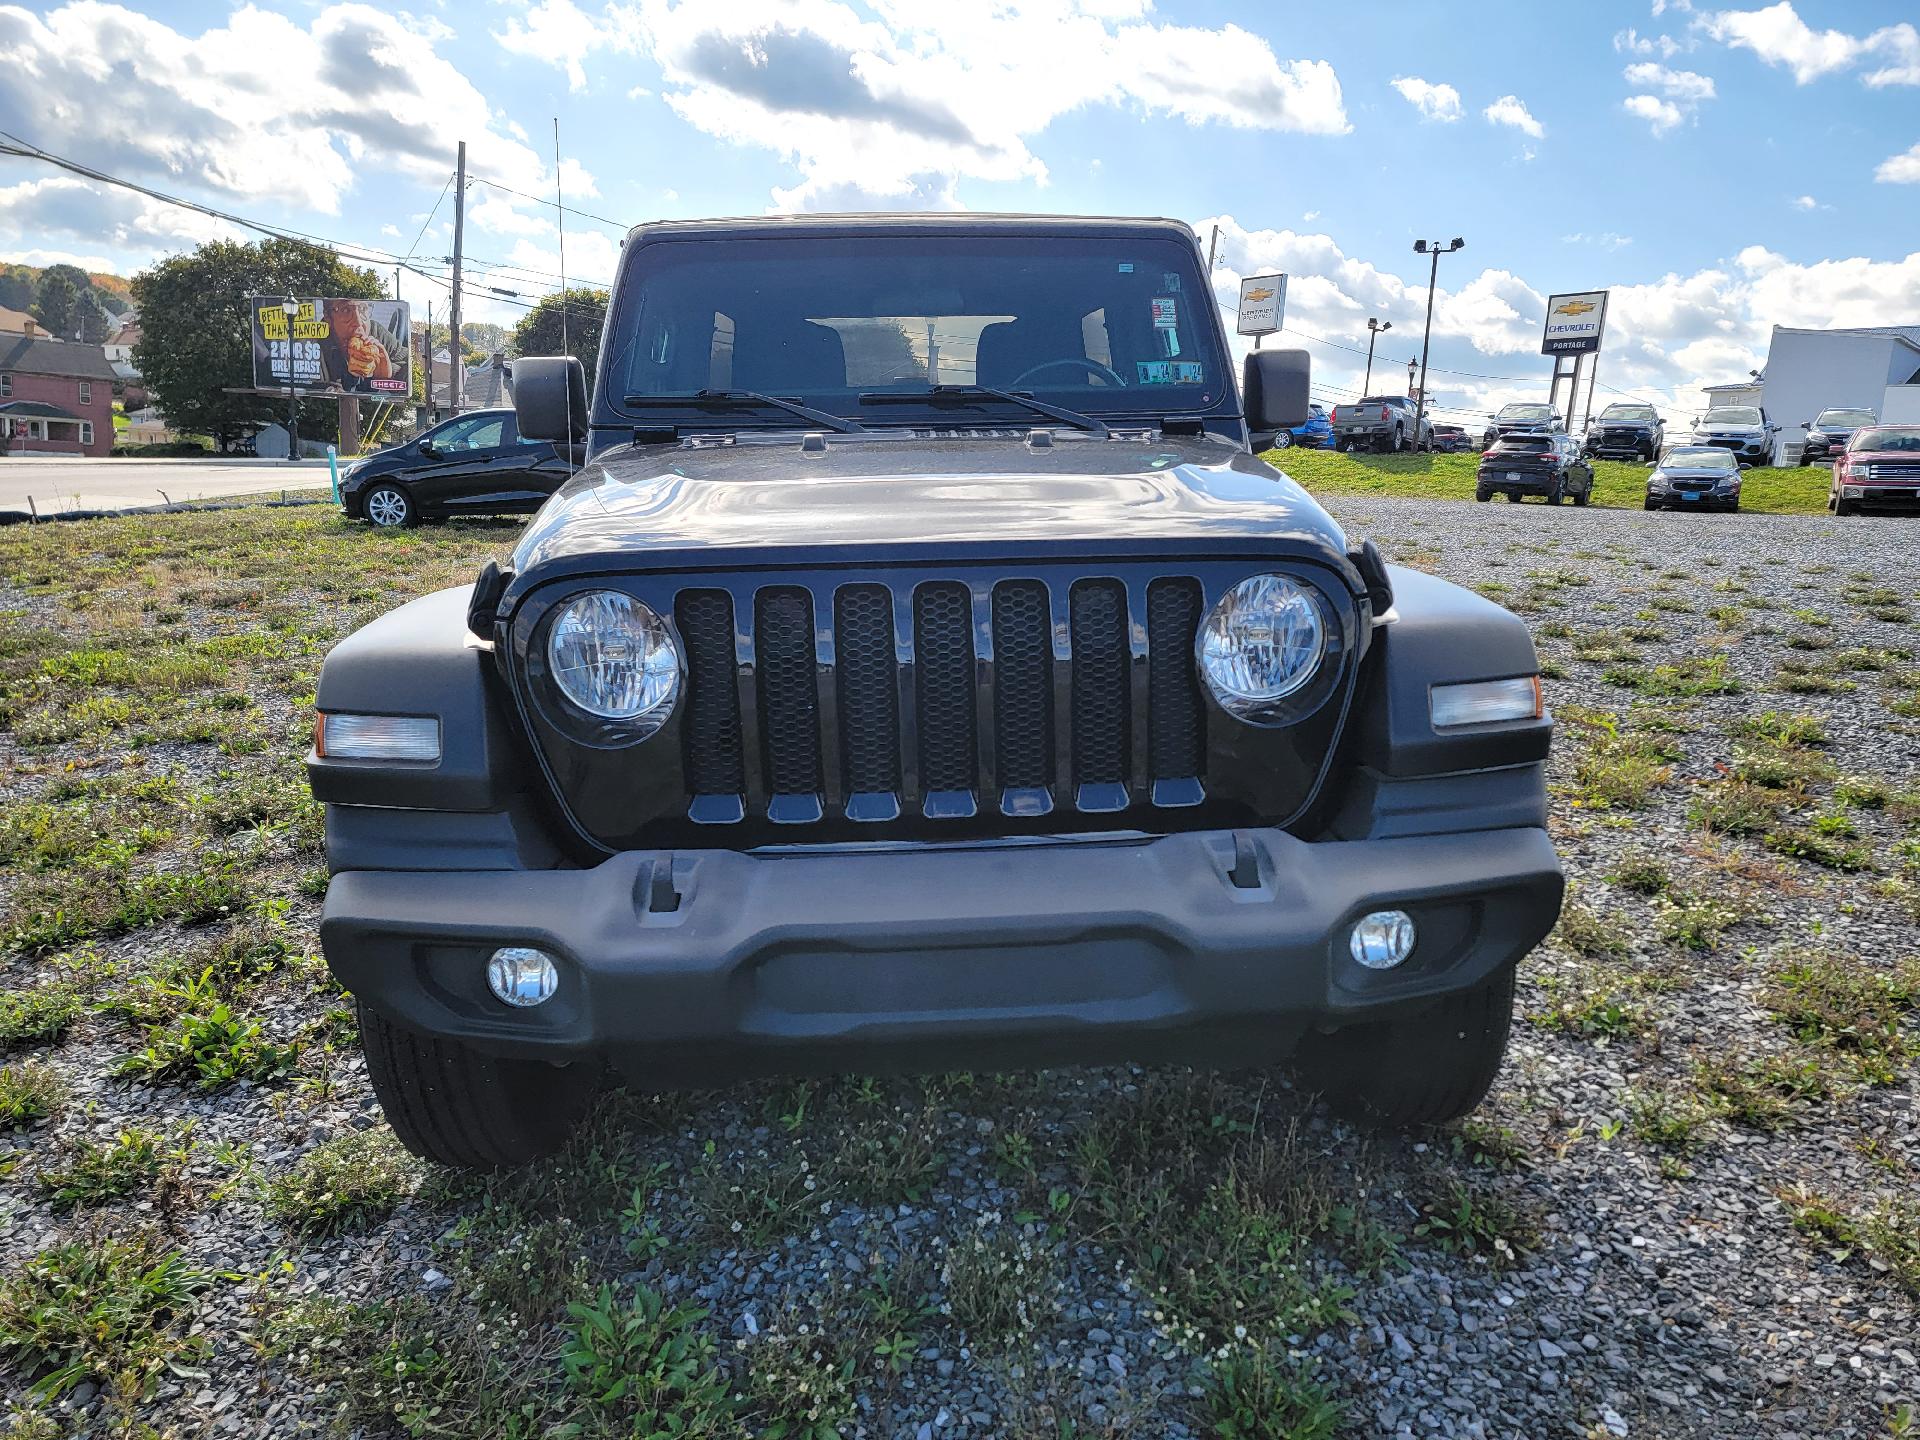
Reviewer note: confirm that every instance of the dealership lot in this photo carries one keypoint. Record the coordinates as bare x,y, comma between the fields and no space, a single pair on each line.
1684,1201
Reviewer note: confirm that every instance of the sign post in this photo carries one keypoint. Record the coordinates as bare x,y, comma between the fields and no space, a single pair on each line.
1576,325
1263,306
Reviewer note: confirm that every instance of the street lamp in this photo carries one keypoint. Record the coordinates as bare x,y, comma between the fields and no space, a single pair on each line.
1436,250
290,307
1374,327
1410,364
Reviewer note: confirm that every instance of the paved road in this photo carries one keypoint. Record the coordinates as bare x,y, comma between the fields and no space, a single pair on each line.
63,484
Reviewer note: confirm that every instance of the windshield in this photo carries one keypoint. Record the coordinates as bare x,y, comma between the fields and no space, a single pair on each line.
1525,413
1845,419
1886,438
1699,460
1733,415
1629,412
1113,325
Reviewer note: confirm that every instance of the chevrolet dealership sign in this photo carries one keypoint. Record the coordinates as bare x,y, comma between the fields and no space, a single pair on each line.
1574,323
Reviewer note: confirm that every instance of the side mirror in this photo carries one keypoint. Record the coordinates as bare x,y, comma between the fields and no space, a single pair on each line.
549,397
1273,387
1806,424
427,447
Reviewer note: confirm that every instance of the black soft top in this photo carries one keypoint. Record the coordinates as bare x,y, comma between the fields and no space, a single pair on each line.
908,223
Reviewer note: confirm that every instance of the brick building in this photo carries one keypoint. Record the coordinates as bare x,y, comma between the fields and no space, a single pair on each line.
56,397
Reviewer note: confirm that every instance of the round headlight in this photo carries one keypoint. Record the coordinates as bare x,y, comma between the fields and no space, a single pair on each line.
614,658
1261,643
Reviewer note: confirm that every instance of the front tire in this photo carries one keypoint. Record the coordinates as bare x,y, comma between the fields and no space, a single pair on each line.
1653,504
1846,507
1483,495
455,1106
1423,1069
390,507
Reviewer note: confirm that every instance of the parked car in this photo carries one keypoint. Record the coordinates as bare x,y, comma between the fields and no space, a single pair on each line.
1452,439
765,751
1549,466
1315,434
1695,477
1627,431
1879,469
1829,431
1381,422
1522,418
473,464
1744,430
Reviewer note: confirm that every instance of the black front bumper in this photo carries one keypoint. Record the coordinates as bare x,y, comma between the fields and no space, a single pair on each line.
702,965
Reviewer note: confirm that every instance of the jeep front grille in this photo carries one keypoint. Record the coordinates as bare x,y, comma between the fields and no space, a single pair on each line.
941,698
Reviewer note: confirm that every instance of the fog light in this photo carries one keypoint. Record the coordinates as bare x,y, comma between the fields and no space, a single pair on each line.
1382,940
522,977
1850,492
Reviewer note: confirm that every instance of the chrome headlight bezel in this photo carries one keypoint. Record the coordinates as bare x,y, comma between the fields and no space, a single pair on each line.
623,620
1307,686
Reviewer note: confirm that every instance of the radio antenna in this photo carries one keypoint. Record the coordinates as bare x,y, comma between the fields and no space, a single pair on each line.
560,222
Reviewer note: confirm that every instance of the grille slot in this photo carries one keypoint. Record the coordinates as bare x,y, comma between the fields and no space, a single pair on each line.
789,694
869,694
1177,728
1100,686
710,729
1023,685
943,668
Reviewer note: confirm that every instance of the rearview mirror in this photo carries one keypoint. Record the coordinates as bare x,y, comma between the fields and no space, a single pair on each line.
549,397
1273,387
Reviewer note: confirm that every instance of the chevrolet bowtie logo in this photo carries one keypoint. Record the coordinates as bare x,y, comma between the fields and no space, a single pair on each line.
1574,307
1256,296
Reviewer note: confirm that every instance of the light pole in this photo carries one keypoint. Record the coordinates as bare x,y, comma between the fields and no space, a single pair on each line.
290,307
1410,364
1436,250
1374,327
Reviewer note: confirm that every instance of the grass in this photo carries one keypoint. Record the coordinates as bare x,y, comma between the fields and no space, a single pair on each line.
210,1049
30,1094
1771,491
93,1174
1885,1234
348,1183
645,1368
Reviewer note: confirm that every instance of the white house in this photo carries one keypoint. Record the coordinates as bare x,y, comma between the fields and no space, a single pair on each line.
1875,368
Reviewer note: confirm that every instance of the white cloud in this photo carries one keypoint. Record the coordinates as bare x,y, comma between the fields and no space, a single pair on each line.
1434,102
262,105
1682,85
900,102
65,205
1508,110
1662,115
1779,36
1805,202
560,33
1607,239
1632,42
1900,169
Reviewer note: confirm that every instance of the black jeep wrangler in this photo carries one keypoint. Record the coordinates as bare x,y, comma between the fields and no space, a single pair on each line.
923,672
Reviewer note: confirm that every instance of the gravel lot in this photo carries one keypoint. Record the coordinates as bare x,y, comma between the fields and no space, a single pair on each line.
1687,1209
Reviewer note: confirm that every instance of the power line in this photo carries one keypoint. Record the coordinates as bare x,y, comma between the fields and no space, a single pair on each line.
583,214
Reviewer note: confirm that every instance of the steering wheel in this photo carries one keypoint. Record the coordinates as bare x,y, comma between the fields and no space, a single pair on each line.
1092,367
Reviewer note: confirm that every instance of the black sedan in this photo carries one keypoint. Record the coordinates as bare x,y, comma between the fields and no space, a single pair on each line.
473,464
1829,431
1695,477
1549,466
1626,432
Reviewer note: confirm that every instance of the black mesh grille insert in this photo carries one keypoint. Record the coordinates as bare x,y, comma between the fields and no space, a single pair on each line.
869,701
789,696
943,685
1099,621
1023,684
711,723
1177,730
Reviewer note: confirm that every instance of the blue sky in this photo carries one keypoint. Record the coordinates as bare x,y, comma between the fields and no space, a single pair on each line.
1721,168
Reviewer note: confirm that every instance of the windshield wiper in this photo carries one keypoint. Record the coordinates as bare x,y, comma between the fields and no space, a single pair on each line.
960,394
742,399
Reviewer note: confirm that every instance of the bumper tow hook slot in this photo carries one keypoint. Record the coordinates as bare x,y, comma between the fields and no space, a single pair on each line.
1245,874
653,887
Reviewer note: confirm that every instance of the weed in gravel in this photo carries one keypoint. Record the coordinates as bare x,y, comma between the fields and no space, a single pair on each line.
1886,1235
1781,767
890,1158
1478,1221
137,1161
1843,1003
1621,768
797,1388
1770,1093
748,1202
1668,1118
30,1093
646,1367
1691,675
39,1014
1694,920
1255,1391
1797,677
211,1048
1594,1003
1863,792
1000,1281
1641,873
1737,807
1774,727
345,1184
109,1309
1585,933
1818,846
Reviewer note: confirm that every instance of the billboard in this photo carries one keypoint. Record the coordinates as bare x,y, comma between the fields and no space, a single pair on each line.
1263,304
1574,323
334,346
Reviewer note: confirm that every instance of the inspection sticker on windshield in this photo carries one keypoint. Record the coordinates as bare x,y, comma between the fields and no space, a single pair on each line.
1166,312
1170,372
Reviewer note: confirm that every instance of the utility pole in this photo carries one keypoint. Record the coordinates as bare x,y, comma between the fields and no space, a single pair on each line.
1212,245
428,407
1436,250
456,371
1374,329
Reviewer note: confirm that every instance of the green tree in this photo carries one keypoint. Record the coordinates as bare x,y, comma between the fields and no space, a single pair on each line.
195,339
538,332
16,287
56,301
90,319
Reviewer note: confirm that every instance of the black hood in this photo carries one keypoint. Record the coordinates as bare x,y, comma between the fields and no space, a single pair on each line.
767,501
